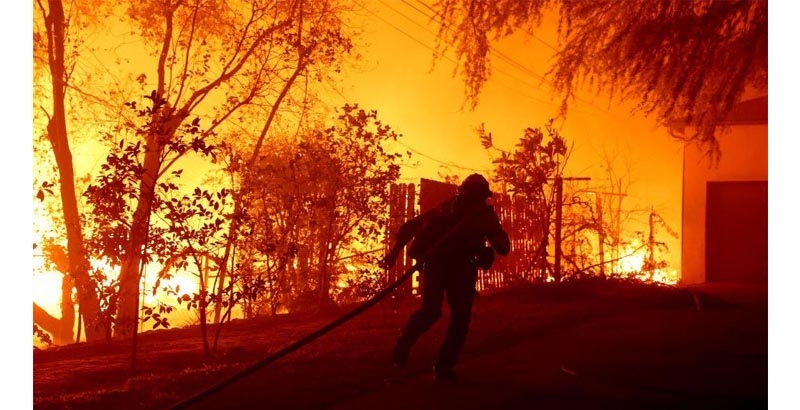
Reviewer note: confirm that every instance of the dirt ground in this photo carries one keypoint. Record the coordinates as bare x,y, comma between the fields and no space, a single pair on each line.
587,344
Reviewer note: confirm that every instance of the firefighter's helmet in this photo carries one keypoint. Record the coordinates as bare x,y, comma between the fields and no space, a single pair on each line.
475,185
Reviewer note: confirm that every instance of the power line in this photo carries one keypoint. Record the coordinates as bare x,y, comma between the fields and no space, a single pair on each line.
436,13
449,164
492,50
502,56
513,89
510,60
416,151
420,42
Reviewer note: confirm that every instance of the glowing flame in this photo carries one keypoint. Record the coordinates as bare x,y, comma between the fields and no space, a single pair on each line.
669,277
351,274
631,266
47,287
47,291
632,261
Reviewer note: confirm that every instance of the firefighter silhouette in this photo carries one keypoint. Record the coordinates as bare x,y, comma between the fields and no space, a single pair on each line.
449,246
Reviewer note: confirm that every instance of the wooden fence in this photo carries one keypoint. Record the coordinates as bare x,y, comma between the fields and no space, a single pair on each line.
402,207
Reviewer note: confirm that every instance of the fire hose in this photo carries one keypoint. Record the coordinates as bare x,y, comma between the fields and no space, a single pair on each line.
298,344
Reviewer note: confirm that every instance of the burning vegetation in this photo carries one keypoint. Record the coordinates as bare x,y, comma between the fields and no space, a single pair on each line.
305,224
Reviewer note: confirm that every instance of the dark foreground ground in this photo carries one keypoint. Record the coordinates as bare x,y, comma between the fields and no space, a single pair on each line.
583,345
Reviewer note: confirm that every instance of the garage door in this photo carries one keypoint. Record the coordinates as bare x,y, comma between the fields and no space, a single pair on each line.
736,231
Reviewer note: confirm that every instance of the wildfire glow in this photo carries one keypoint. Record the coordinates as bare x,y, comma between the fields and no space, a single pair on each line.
429,130
46,288
632,263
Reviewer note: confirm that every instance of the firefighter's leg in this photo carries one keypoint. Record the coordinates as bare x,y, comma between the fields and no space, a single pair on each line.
460,295
421,320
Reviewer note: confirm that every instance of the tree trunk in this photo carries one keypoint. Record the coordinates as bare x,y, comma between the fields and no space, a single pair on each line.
324,274
324,280
130,272
57,134
67,310
61,329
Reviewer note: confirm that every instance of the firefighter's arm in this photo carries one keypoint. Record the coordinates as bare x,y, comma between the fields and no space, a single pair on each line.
497,236
404,235
388,261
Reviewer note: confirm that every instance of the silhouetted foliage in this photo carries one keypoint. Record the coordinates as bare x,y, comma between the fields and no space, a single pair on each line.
110,199
316,198
655,249
191,240
527,172
579,224
681,60
43,336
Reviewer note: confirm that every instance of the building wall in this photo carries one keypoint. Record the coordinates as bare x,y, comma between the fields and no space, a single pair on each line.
744,158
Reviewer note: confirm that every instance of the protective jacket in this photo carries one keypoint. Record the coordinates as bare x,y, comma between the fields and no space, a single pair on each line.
455,231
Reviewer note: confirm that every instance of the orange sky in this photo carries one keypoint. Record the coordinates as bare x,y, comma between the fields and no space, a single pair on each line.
425,106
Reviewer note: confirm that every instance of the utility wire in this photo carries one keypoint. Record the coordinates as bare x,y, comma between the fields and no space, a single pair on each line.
492,50
449,164
446,57
504,57
509,60
500,55
436,14
416,151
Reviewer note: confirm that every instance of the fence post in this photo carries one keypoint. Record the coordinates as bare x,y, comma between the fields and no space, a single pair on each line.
559,184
